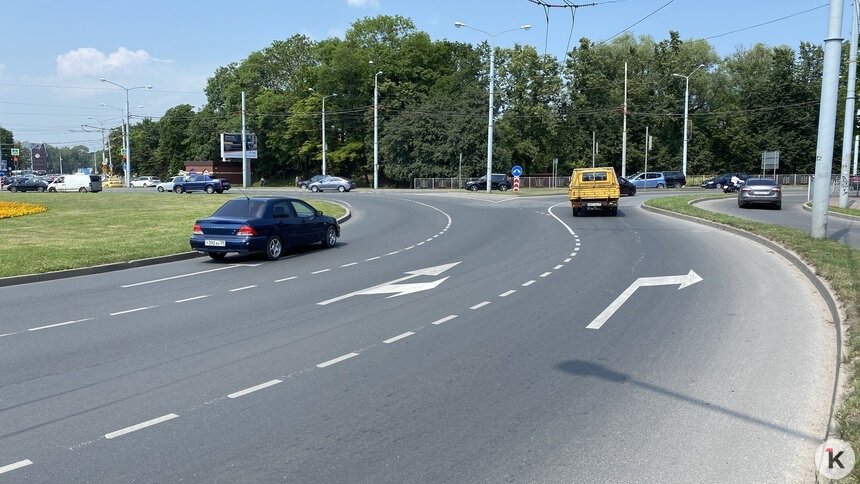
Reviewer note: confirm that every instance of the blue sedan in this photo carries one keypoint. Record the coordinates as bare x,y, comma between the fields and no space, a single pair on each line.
266,225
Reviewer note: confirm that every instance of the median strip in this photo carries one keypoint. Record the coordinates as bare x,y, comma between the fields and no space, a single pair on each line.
142,425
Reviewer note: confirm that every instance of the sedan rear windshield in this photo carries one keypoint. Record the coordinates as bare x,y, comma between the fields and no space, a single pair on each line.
242,207
760,181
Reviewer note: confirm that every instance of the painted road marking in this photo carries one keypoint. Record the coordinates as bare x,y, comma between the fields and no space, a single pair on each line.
179,276
243,288
191,298
545,274
350,264
558,266
337,360
8,334
507,293
290,278
60,324
133,310
254,388
480,305
320,271
142,425
399,337
429,240
529,283
445,319
17,465
373,258
392,253
568,260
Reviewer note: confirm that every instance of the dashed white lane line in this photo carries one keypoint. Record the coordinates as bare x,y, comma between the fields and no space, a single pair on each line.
8,334
558,267
480,305
399,337
320,271
545,274
429,240
507,293
373,258
410,247
243,288
142,425
292,277
567,260
529,283
350,264
60,324
577,244
179,276
392,253
132,310
572,254
445,319
191,298
254,388
17,465
337,360
419,243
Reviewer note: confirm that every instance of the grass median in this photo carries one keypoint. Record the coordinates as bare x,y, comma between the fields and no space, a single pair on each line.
837,263
87,229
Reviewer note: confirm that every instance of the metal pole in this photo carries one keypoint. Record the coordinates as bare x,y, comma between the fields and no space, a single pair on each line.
856,149
490,116
127,144
245,171
827,121
460,171
323,135
624,129
647,148
848,127
376,130
686,115
593,150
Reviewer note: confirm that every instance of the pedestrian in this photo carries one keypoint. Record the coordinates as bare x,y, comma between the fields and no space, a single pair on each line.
262,182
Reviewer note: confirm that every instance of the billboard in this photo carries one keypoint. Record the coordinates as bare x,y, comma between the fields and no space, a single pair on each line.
40,157
231,145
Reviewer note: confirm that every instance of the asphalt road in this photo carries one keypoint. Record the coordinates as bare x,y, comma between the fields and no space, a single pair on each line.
234,372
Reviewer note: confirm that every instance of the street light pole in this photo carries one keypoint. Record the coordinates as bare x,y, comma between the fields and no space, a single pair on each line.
323,126
128,131
686,113
376,130
492,78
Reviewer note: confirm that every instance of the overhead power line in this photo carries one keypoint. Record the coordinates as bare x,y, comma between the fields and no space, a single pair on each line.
638,22
766,23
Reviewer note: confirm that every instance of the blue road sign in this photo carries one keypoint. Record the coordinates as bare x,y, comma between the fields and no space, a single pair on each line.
517,170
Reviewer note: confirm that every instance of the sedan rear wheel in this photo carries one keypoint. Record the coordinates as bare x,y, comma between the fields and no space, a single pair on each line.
274,248
210,189
178,189
13,189
315,188
160,189
40,189
341,188
474,188
503,188
52,190
661,186
330,237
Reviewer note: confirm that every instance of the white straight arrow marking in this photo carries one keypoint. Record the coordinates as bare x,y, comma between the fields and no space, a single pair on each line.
400,289
686,280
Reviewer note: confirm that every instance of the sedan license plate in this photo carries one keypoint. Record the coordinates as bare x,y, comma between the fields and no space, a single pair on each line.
214,243
761,193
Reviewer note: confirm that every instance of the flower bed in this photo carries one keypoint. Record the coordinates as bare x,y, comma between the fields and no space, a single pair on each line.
16,209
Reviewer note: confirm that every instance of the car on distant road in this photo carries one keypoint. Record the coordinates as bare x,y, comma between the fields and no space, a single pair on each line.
627,189
27,184
266,225
498,181
649,179
196,183
332,183
167,186
145,181
760,191
306,183
675,179
722,180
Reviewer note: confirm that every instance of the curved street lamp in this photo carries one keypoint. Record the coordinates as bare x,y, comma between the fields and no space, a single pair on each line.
128,122
492,76
686,112
376,130
323,125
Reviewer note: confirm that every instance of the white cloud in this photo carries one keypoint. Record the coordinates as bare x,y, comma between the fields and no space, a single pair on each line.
363,3
87,61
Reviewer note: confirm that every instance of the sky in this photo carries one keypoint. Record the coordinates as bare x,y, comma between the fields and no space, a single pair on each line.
52,59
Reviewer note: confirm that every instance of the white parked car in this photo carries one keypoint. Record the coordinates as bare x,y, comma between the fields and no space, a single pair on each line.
145,181
76,183
168,185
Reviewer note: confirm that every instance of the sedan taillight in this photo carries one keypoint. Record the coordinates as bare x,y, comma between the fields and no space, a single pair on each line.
775,189
198,230
246,231
746,189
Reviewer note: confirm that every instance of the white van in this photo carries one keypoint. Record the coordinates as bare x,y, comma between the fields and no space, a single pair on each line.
76,183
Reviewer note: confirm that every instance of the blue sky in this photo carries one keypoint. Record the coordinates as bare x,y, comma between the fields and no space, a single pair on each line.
56,52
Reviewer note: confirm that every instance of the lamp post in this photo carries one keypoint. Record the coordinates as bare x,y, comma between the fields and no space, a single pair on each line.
686,112
323,126
492,76
102,129
376,130
128,123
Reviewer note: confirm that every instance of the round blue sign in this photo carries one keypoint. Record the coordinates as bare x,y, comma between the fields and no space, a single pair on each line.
517,170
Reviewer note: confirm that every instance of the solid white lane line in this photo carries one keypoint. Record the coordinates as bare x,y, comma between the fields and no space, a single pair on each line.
142,425
179,276
545,274
243,288
373,258
291,278
558,267
480,305
254,388
445,319
350,264
560,220
60,324
320,271
337,360
191,298
507,293
568,260
529,283
133,310
399,337
17,465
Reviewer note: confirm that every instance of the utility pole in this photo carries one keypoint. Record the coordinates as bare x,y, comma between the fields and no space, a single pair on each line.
624,129
593,148
245,170
848,126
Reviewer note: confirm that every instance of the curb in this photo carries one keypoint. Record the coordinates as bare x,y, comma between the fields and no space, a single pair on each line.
807,271
843,216
115,266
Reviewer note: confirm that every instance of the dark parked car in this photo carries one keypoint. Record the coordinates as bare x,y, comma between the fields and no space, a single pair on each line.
306,183
627,189
722,180
27,184
196,183
760,191
262,224
675,179
498,181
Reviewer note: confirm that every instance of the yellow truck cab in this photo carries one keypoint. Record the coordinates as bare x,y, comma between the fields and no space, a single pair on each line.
593,188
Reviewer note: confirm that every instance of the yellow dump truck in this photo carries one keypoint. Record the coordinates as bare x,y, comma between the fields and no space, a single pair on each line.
595,188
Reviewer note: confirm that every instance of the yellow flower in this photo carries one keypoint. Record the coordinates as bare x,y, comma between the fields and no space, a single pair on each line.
16,209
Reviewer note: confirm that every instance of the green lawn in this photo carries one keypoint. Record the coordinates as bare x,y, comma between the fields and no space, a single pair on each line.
86,229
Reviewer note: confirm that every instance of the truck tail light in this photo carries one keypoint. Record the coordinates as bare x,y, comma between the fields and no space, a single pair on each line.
246,231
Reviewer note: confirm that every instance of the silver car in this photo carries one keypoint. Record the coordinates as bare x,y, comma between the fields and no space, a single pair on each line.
332,183
168,185
760,191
